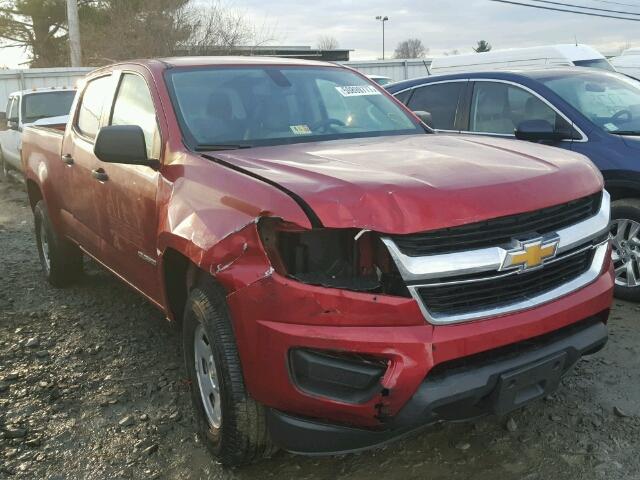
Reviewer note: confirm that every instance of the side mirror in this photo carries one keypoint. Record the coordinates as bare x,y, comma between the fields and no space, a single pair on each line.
122,144
425,117
540,131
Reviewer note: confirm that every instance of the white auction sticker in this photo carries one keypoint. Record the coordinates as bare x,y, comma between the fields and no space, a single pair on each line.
358,90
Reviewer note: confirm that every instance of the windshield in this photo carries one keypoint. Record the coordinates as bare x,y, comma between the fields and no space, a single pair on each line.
250,106
610,101
600,63
44,105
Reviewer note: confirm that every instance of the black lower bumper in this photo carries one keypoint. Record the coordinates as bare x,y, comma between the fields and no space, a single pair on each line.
494,385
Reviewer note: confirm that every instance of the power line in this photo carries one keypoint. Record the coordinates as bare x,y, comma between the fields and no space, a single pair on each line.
634,5
586,8
541,7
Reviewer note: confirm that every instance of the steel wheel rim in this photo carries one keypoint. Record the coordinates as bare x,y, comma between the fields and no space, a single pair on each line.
207,376
626,251
44,247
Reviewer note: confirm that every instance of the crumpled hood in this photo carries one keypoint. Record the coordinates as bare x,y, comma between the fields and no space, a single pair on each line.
405,184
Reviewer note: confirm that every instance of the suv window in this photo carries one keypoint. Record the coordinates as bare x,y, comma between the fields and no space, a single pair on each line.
500,107
134,106
90,110
441,100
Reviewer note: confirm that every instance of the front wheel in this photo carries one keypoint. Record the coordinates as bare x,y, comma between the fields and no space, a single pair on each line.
625,230
230,422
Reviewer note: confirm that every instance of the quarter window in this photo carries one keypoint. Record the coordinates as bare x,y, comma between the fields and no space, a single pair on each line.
134,106
90,110
499,108
441,101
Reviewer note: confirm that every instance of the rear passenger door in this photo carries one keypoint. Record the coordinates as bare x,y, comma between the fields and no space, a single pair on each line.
443,100
80,169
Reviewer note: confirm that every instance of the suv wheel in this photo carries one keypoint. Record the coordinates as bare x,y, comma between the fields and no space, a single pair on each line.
625,230
61,260
230,422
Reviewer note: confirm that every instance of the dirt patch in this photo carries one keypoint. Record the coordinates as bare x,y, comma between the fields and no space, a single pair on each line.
92,386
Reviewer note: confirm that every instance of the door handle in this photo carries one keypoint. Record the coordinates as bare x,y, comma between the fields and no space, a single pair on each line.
100,175
68,159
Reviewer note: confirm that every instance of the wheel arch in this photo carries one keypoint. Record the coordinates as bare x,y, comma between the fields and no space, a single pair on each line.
622,184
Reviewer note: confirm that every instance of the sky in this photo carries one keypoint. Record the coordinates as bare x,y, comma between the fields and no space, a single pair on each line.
442,25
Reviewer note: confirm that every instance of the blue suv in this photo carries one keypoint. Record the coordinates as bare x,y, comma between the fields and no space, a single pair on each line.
589,111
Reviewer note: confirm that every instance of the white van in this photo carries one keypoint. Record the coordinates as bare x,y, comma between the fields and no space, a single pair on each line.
522,58
628,63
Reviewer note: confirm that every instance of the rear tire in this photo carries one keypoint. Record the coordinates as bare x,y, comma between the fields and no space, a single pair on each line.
231,423
625,228
61,260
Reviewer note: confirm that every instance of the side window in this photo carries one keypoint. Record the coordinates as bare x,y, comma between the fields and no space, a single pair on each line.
441,100
499,108
134,106
88,121
404,96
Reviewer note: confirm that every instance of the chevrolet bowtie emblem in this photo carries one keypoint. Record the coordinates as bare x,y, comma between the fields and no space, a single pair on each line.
531,253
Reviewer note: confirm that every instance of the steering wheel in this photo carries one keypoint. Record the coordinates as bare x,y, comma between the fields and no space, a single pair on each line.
324,125
622,113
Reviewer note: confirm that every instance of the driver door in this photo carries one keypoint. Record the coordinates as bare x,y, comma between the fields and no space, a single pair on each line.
11,137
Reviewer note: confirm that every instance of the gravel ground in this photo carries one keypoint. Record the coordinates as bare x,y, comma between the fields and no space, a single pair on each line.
92,386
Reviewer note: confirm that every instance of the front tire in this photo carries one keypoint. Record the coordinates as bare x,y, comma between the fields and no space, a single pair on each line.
231,423
625,229
61,260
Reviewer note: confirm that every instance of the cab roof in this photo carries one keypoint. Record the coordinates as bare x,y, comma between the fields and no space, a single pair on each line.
239,60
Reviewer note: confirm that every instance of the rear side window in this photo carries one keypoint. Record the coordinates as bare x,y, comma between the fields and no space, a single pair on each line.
441,100
90,110
500,107
134,106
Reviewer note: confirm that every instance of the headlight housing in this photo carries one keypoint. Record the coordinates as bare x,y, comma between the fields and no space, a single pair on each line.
348,259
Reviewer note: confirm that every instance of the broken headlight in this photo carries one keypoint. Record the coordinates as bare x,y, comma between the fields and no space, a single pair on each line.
337,258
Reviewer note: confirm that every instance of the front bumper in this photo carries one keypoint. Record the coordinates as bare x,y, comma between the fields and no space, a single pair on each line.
491,386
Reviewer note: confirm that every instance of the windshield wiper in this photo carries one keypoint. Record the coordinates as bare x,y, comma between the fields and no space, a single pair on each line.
219,146
635,133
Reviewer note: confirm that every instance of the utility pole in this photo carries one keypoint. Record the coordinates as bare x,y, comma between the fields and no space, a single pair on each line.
382,19
74,33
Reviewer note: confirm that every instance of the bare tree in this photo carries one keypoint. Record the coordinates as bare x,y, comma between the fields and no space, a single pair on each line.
411,48
455,51
219,27
483,46
327,42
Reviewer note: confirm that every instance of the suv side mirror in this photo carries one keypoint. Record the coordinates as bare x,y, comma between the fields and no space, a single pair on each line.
425,117
540,131
122,144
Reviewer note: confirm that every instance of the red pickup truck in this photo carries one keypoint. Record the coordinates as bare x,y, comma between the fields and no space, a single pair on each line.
343,276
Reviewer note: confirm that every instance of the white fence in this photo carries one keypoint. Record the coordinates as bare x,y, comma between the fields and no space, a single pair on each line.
13,80
394,69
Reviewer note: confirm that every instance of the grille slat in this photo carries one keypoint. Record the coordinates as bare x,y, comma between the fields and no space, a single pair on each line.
498,231
497,292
